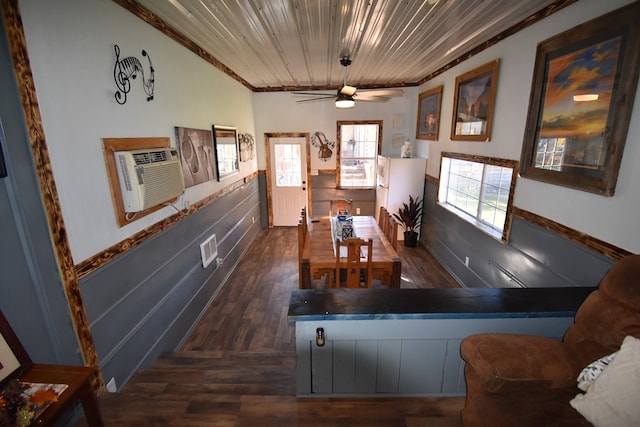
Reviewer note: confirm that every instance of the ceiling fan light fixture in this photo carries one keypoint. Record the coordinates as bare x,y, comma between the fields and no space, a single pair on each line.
344,101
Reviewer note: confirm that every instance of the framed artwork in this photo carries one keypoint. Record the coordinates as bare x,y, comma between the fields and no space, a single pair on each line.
428,124
225,140
584,84
247,147
474,102
13,357
196,155
397,140
398,121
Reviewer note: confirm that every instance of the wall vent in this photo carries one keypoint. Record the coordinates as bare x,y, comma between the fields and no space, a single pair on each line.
209,250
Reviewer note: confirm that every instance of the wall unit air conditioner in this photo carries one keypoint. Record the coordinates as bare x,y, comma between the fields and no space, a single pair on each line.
148,177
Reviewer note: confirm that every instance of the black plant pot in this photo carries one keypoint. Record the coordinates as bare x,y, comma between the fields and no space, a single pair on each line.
410,239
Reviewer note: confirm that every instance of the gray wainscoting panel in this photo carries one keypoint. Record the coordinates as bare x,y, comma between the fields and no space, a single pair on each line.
354,366
388,366
321,368
551,250
416,366
323,190
534,256
399,357
147,300
453,375
264,206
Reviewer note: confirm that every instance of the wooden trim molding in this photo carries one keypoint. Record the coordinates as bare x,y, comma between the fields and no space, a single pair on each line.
100,259
109,148
269,172
44,172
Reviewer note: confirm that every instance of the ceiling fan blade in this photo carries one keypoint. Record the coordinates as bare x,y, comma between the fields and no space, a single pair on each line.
372,99
348,90
318,94
326,98
389,93
378,95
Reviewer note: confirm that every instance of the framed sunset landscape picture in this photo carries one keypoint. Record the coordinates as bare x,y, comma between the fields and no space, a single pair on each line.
581,101
428,122
474,101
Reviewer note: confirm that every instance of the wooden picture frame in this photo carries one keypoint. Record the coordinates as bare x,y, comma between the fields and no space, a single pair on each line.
225,141
109,147
582,94
14,359
474,102
428,124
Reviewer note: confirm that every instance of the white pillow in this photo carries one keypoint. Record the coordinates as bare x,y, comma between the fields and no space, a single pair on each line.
591,372
613,400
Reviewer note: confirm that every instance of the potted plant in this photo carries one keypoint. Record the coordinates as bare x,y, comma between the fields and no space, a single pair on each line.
410,217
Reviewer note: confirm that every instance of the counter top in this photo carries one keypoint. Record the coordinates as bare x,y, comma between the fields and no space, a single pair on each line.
463,303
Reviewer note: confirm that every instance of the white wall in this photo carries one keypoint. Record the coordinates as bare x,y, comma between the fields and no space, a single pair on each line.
611,219
279,112
71,49
70,45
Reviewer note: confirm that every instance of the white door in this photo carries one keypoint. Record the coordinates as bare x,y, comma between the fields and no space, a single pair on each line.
288,164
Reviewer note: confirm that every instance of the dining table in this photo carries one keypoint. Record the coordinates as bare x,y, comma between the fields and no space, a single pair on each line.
319,259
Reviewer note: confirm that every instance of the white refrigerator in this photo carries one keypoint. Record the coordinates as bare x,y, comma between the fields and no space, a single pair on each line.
397,178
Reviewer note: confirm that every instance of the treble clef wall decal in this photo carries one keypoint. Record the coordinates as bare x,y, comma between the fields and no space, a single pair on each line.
126,70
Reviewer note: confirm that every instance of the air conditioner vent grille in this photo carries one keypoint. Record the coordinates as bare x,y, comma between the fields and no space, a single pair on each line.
125,174
149,177
150,157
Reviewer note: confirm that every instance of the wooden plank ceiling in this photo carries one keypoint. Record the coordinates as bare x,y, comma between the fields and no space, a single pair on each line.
296,44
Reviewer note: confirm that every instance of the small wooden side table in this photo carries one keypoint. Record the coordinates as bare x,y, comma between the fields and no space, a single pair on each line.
78,378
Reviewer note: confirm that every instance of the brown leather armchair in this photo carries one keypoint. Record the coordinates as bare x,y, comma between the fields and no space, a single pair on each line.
521,380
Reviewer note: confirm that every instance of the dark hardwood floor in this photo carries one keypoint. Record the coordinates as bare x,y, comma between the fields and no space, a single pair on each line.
237,368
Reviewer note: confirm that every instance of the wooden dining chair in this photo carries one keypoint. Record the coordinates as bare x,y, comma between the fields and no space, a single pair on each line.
391,231
387,224
383,217
352,270
338,205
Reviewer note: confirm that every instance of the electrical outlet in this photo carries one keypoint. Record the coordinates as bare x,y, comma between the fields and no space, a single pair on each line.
220,261
253,220
357,211
466,261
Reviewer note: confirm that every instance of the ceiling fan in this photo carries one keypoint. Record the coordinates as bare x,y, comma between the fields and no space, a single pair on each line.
347,95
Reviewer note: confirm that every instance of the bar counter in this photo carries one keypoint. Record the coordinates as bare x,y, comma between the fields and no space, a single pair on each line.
406,342
371,304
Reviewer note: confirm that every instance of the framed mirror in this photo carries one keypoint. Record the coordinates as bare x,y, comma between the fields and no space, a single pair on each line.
225,140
